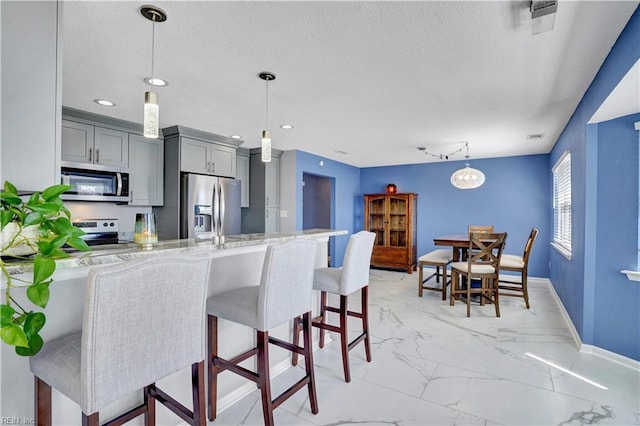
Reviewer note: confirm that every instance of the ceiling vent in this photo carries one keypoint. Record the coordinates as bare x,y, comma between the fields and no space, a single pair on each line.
535,136
543,15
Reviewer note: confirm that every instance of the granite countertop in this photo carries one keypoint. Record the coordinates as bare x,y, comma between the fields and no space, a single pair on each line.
114,253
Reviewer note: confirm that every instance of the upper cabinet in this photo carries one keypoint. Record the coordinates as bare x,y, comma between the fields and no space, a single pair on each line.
242,174
146,159
263,214
86,143
95,139
207,158
202,152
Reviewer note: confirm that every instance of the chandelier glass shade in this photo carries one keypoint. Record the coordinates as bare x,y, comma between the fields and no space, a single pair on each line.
467,178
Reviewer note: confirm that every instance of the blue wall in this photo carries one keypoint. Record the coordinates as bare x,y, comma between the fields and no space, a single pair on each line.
598,190
514,198
616,300
346,201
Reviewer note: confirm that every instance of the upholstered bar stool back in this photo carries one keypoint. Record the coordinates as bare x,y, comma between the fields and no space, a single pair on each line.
284,294
143,320
353,276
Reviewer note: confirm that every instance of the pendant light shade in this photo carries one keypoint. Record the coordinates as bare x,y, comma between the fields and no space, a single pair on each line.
151,120
266,134
266,146
151,115
467,177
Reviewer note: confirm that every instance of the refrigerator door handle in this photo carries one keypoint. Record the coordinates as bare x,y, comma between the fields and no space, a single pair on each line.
222,211
215,217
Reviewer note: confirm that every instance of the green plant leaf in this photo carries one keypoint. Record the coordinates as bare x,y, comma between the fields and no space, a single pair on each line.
34,323
42,268
54,191
8,187
45,208
38,294
6,216
10,198
45,248
33,218
35,198
63,226
78,243
13,335
35,344
6,315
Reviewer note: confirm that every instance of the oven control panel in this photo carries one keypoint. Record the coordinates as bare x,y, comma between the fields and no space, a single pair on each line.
96,226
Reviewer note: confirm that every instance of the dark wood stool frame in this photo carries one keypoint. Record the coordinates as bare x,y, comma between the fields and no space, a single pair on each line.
217,365
343,313
148,407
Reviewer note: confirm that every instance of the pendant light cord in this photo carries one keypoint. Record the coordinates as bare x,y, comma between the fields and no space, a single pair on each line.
266,115
153,45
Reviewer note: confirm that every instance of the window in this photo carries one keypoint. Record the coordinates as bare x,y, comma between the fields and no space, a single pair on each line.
562,205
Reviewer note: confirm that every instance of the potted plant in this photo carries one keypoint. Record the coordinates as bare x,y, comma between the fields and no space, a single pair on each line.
33,231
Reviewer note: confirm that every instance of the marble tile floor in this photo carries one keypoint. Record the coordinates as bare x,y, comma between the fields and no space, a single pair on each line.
434,366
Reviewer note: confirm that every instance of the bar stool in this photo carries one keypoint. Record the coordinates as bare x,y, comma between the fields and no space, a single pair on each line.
354,275
284,293
143,320
439,258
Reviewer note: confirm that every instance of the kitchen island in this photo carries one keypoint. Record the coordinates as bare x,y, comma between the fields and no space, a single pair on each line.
237,262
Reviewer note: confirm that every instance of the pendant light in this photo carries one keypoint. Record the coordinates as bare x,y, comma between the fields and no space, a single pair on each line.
266,134
467,178
151,119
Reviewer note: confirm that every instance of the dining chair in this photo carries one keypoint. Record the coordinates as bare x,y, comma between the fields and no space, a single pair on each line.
516,263
283,295
439,258
480,228
353,276
143,320
483,263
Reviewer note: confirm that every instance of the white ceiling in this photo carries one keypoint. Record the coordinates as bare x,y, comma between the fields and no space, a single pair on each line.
374,80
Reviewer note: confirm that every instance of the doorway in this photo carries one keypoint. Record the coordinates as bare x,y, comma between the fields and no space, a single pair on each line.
317,205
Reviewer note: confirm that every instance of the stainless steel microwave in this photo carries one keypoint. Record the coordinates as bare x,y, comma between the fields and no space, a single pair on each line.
94,183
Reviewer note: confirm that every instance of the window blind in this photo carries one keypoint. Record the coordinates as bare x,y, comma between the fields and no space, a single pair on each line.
562,203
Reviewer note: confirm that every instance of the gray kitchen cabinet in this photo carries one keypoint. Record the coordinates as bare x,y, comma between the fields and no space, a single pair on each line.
207,158
146,167
263,214
86,143
242,173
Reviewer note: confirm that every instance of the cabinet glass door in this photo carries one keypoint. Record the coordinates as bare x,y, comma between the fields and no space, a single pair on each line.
397,222
376,219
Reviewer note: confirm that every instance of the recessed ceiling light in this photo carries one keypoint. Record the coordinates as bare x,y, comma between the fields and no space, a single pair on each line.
155,81
286,126
339,151
236,137
104,102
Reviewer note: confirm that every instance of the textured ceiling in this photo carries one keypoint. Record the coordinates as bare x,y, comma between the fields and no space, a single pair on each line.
365,83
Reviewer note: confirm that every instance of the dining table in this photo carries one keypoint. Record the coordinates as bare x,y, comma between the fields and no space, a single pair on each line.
458,242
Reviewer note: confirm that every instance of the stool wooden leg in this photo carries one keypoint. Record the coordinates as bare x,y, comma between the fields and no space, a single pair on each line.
496,301
364,297
420,278
296,338
308,362
344,343
212,352
323,314
43,403
264,383
525,291
150,404
197,390
90,420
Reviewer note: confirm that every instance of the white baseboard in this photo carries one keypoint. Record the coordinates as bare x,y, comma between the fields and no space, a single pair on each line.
584,348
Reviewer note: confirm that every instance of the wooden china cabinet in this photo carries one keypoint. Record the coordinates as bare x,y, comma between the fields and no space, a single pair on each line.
392,217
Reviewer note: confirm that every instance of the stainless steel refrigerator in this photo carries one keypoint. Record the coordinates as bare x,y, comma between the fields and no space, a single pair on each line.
209,207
